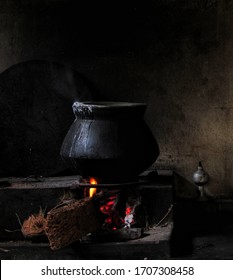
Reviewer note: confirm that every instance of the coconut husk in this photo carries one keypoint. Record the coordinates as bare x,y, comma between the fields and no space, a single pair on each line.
70,222
34,225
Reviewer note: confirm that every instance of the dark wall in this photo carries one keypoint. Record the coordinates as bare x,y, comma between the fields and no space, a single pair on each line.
175,55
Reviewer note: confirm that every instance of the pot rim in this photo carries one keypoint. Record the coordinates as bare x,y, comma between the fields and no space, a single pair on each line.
108,104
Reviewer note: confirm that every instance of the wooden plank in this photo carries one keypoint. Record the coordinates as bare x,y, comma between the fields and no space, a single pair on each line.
39,183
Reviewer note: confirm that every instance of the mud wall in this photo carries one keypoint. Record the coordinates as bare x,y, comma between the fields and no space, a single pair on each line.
175,55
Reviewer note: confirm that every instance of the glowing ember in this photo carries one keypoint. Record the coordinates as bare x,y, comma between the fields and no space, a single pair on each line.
128,211
117,209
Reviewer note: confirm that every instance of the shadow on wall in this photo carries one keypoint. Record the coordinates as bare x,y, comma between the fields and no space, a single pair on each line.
35,101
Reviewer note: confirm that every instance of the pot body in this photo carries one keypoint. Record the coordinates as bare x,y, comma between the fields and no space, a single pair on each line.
109,140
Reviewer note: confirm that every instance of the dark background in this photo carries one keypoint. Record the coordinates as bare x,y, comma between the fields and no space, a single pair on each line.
177,56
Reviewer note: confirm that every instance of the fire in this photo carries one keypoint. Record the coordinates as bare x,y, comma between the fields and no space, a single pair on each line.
92,191
93,181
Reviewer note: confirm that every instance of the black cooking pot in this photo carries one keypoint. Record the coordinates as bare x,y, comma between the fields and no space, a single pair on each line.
109,140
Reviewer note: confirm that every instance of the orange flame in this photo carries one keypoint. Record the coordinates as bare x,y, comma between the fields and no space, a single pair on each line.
93,181
92,191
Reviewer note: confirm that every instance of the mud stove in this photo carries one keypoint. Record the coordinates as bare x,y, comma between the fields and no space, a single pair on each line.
107,210
139,227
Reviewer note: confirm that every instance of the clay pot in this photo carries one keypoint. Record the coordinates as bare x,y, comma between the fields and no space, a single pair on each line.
109,140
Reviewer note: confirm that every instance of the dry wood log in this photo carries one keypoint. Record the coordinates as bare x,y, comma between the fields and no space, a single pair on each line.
71,222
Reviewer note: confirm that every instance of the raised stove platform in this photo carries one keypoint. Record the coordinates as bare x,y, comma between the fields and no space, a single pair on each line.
22,197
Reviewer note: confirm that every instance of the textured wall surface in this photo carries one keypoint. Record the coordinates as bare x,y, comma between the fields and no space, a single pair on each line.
175,55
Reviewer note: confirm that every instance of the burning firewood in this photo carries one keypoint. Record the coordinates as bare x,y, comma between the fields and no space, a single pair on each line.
69,223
